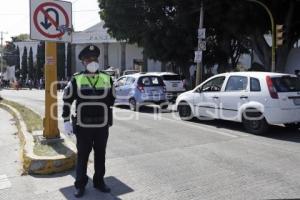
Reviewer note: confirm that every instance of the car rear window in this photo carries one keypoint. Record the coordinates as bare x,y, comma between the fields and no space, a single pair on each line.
150,81
171,77
286,84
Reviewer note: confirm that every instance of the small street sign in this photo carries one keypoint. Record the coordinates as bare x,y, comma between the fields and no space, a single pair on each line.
51,20
202,45
198,57
201,33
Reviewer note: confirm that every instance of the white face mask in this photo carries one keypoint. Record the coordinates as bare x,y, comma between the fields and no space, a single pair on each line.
92,67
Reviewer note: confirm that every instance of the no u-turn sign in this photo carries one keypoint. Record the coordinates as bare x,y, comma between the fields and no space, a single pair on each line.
51,20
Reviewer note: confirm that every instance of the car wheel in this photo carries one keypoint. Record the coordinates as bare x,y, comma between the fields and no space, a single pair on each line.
185,111
132,104
294,126
254,122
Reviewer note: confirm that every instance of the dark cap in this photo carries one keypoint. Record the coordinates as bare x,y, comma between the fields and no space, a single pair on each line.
89,51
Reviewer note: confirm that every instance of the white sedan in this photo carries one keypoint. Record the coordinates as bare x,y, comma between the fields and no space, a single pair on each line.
257,99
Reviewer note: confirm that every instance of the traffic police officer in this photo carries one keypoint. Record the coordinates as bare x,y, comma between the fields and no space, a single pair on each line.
93,92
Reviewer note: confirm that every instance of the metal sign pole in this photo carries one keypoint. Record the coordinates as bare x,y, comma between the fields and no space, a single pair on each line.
199,72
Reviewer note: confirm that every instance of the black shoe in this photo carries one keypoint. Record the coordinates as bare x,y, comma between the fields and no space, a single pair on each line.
79,192
103,188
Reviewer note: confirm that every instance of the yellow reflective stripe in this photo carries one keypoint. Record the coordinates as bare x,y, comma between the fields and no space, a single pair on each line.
103,80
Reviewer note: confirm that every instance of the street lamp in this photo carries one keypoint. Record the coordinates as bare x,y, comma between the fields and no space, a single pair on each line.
273,32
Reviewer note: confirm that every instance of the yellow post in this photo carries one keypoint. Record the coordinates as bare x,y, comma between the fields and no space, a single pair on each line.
50,121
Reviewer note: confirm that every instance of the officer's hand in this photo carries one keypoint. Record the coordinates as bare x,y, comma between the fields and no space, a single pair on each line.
68,128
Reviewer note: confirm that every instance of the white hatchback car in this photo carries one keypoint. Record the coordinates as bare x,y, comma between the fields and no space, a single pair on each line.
257,99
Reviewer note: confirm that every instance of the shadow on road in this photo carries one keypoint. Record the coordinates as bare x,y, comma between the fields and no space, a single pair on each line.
117,187
147,109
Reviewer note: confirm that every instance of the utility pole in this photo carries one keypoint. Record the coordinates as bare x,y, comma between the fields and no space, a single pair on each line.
198,57
2,50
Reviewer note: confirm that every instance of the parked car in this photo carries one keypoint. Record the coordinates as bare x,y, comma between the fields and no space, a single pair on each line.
114,73
140,89
257,99
130,71
174,84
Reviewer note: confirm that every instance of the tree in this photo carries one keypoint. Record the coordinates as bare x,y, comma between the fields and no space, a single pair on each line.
30,65
167,30
10,54
18,70
158,26
24,64
40,60
21,37
61,60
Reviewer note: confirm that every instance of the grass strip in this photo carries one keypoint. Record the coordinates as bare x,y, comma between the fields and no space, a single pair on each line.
32,120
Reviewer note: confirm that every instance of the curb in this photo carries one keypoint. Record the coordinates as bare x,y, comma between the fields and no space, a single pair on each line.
34,164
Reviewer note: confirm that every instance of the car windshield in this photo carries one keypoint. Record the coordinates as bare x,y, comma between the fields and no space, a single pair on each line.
148,81
286,84
171,77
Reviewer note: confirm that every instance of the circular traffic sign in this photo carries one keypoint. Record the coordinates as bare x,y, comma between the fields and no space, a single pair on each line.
57,8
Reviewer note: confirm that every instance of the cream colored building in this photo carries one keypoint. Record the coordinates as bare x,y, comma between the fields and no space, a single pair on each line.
113,53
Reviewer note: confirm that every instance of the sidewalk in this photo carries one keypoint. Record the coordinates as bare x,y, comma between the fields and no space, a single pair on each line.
15,186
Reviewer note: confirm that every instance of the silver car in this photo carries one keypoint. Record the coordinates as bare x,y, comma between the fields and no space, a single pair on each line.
140,89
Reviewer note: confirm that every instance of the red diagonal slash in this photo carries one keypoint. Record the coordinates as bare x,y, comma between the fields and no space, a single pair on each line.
50,18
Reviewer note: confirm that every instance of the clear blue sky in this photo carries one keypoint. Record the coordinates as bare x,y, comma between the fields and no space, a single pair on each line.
14,16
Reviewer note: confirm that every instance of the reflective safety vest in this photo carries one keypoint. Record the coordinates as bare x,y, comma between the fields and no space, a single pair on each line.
94,98
99,81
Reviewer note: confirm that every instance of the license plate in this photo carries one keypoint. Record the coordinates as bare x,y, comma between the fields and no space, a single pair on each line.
296,101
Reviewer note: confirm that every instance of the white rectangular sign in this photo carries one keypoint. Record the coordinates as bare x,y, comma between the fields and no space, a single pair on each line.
201,33
51,20
198,57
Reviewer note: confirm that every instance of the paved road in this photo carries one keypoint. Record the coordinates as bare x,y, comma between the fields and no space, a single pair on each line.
156,156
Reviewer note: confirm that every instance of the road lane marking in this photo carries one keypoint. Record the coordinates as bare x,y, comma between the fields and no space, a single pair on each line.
4,182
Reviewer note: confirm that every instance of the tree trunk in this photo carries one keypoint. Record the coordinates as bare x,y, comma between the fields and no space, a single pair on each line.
261,49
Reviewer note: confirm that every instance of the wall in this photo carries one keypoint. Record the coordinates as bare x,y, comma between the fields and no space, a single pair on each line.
293,62
133,52
114,55
154,66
